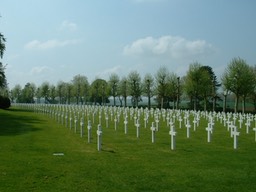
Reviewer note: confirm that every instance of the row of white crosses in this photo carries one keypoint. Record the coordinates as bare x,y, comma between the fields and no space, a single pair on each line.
78,115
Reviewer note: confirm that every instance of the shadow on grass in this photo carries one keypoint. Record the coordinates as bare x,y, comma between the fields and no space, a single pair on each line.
17,122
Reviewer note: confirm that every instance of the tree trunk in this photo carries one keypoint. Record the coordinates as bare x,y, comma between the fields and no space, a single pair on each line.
162,102
205,100
236,104
195,103
125,102
225,103
149,102
243,109
214,103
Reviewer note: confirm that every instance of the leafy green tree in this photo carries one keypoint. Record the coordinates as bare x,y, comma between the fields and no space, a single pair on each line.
172,88
38,95
28,93
80,88
99,92
16,93
68,91
239,79
3,82
113,84
148,87
196,85
161,79
122,91
253,94
61,92
2,45
213,89
134,87
45,91
52,93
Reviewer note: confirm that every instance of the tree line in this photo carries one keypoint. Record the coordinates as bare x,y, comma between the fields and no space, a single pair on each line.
199,88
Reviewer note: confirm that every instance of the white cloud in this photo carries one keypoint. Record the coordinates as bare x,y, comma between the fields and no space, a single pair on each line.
38,70
67,25
106,73
50,44
172,46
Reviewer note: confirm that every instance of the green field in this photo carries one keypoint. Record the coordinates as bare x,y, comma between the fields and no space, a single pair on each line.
28,141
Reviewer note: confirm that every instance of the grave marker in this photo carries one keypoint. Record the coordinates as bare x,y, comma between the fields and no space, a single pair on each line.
153,130
172,133
99,137
89,127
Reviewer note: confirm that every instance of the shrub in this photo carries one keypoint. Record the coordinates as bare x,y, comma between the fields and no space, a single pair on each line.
5,102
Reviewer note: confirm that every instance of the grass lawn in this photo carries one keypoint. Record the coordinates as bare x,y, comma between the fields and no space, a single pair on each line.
126,163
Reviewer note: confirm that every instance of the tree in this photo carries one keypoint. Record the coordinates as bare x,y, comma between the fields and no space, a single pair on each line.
45,91
196,85
16,93
253,94
61,91
161,78
172,88
80,88
134,87
211,90
99,92
2,45
122,91
239,79
148,87
52,93
28,93
3,82
68,87
113,84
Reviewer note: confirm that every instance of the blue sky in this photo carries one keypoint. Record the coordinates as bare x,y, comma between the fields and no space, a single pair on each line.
53,40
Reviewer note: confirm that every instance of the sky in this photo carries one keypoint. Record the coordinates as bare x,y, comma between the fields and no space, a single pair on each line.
55,40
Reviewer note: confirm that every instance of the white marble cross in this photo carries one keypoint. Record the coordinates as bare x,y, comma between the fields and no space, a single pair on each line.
145,121
99,118
99,137
254,129
81,127
195,123
138,128
106,121
115,120
157,124
240,122
188,129
70,122
180,120
235,134
125,125
75,121
248,124
172,133
153,130
89,127
209,131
